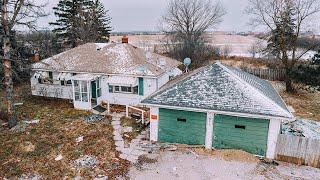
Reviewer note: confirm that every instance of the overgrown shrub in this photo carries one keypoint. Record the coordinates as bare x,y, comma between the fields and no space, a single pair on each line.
309,75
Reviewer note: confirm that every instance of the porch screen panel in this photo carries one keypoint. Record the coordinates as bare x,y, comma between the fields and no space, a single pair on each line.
84,91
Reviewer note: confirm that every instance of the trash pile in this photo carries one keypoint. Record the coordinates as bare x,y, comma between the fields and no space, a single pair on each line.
86,162
93,118
22,125
302,127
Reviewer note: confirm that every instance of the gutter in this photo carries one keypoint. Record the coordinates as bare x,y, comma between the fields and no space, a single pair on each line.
256,116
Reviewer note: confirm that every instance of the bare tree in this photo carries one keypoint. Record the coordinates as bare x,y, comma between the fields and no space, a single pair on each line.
270,13
186,21
15,13
226,50
256,47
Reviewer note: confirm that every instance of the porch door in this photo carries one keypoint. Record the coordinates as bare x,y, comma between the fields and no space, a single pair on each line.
94,89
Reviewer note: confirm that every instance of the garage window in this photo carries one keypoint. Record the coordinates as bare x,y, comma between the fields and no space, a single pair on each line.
182,119
240,127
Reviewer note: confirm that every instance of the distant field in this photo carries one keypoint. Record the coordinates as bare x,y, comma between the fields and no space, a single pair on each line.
239,45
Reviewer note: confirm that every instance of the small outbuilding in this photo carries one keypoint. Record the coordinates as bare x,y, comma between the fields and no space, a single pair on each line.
219,107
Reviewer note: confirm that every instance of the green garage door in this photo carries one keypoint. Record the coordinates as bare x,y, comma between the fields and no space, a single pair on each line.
182,127
248,134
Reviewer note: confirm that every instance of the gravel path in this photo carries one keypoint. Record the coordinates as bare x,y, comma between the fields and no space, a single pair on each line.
135,148
186,165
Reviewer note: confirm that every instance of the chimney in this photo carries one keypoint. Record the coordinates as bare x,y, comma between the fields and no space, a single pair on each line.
125,39
36,57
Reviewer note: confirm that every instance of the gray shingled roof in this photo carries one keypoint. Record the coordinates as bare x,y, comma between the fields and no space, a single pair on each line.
222,88
108,58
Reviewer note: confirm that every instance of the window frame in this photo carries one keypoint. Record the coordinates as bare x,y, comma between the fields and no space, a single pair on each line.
81,91
120,89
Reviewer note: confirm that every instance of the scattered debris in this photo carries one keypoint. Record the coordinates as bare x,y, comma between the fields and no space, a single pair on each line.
86,161
20,127
196,155
79,139
126,129
34,121
93,118
27,146
101,177
18,104
303,128
171,148
30,177
59,157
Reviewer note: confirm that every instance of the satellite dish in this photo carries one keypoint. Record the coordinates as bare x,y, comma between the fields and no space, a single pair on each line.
187,62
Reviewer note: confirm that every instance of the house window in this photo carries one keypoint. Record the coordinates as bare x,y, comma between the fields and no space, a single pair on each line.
50,75
110,89
136,90
182,119
124,89
66,83
81,91
116,88
40,80
240,127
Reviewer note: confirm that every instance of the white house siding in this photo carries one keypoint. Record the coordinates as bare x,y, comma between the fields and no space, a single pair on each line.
54,90
164,78
150,86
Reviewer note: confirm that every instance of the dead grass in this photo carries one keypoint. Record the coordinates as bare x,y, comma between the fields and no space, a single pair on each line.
34,150
306,104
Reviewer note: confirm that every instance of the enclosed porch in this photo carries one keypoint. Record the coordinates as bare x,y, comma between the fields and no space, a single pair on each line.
86,91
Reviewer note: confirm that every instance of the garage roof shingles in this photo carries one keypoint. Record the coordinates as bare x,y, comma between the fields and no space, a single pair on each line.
108,58
222,88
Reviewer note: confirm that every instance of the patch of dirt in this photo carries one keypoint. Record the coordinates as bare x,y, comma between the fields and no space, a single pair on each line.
34,150
228,154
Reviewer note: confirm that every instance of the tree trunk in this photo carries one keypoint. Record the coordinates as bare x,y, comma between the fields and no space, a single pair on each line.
7,66
8,83
288,81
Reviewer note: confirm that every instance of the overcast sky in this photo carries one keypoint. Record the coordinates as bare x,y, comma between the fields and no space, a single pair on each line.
144,15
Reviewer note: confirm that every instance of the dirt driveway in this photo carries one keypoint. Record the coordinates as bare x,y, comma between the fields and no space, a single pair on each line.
185,164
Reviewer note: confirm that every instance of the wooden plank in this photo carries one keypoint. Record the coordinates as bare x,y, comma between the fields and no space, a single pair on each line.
298,150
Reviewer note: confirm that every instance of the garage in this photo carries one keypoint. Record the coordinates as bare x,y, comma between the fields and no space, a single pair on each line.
220,107
182,127
248,134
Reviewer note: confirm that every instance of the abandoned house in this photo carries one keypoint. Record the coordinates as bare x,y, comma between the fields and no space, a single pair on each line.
118,73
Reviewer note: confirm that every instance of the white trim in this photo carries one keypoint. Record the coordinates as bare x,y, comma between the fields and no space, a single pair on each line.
154,123
273,133
257,116
209,130
97,73
253,88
